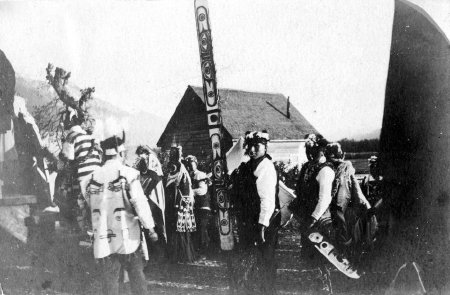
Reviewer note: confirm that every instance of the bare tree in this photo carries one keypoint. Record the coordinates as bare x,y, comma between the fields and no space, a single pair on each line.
59,82
49,117
48,120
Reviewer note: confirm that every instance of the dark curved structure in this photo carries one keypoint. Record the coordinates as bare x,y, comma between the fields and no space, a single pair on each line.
7,85
415,144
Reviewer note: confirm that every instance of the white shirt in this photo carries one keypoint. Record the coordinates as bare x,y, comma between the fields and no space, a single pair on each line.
266,185
325,179
202,186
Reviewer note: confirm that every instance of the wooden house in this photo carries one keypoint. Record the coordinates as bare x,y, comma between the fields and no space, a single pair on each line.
241,111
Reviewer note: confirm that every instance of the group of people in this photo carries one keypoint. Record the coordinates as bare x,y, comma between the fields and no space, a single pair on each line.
328,200
129,212
180,201
96,191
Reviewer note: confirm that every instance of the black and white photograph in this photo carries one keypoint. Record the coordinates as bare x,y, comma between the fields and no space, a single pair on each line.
225,147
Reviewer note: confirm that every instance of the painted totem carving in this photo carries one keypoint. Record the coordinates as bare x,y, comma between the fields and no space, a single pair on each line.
214,118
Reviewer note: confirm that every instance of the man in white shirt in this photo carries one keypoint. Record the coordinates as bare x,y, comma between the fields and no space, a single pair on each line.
255,196
312,205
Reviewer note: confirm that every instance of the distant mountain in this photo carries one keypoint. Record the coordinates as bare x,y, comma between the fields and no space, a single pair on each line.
142,127
35,92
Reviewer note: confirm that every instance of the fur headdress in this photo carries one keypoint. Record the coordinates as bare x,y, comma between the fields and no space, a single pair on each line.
313,144
315,140
255,137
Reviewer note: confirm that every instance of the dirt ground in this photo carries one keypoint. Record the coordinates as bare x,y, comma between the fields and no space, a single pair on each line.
60,266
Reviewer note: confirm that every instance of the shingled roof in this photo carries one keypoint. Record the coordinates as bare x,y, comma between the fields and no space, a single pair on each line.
243,111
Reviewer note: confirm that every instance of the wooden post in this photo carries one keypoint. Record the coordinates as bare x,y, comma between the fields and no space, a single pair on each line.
2,159
214,119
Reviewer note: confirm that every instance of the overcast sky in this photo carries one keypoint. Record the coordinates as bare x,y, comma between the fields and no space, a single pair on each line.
329,56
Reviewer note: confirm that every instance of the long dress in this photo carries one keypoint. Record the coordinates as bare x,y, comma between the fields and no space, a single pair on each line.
180,220
153,188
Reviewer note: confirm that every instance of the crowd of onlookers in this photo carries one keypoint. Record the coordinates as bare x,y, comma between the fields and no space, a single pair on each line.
187,202
181,199
181,223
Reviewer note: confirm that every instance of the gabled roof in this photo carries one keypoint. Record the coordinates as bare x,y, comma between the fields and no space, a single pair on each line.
243,111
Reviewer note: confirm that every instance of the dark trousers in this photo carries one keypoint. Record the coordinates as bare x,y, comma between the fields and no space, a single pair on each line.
269,267
202,218
252,268
110,271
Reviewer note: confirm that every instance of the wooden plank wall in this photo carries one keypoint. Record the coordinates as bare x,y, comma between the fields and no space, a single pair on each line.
188,127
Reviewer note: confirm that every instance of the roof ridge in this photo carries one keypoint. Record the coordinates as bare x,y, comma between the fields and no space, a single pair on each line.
240,113
244,91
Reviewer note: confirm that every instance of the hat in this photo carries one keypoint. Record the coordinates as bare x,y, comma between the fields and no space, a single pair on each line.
255,137
113,144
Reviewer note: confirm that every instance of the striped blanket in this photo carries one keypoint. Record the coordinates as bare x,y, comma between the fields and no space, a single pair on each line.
80,147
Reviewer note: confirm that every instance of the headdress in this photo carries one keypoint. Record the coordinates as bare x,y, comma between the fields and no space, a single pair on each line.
143,149
255,137
176,153
334,150
71,117
190,159
113,144
313,144
373,159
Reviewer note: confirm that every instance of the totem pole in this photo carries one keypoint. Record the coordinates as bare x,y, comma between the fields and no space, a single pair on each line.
211,98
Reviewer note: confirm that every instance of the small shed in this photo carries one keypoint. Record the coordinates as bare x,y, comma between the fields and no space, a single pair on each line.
241,111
